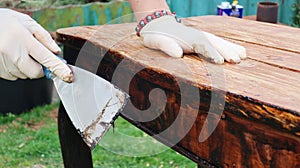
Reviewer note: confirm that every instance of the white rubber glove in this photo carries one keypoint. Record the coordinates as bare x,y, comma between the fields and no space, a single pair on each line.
174,38
24,46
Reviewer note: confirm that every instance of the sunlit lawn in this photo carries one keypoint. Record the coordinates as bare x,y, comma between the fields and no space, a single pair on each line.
31,140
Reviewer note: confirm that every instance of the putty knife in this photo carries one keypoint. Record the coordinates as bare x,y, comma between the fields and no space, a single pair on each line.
92,103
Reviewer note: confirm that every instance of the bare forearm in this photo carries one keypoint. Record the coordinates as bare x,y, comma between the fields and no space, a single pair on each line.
141,8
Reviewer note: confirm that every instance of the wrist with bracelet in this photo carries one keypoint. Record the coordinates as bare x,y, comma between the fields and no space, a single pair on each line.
155,15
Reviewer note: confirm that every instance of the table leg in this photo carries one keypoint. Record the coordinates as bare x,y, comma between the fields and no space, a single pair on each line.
75,152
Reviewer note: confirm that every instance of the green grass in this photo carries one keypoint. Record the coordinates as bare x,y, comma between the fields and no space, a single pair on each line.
31,140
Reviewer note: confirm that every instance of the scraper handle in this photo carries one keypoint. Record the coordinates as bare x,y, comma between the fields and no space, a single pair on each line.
48,73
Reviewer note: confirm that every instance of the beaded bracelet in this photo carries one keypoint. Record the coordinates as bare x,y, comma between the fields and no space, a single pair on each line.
153,16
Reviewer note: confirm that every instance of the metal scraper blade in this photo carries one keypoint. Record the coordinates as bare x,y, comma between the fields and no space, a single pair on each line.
91,102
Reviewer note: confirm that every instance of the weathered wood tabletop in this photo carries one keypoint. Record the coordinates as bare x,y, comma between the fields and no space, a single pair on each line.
254,105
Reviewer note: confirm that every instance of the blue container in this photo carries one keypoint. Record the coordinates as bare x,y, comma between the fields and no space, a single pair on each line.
230,10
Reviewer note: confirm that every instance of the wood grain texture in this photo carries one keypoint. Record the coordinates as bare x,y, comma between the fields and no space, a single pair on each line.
260,120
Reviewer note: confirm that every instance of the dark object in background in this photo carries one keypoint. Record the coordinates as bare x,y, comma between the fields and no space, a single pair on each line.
267,12
22,95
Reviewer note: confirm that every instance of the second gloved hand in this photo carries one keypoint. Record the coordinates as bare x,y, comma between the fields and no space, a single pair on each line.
24,46
174,38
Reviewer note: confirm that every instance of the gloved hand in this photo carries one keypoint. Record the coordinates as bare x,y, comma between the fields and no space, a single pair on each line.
174,38
24,46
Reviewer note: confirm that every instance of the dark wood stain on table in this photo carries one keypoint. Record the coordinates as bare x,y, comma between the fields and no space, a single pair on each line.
260,124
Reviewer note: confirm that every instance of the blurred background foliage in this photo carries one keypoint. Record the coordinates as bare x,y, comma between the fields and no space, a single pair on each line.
39,4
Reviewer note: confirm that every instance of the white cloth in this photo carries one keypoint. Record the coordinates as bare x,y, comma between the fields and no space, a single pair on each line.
24,46
174,38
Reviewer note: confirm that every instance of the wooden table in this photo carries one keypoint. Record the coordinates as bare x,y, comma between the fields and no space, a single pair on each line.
254,105
253,17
